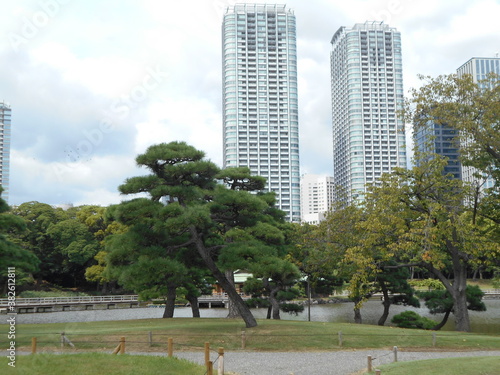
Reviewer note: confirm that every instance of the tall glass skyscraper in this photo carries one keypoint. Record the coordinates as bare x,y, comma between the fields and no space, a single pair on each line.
5,115
260,112
367,92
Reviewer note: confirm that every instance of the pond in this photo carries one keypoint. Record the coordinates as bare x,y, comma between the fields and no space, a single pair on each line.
481,322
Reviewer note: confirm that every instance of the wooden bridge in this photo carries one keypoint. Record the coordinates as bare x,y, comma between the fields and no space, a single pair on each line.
51,304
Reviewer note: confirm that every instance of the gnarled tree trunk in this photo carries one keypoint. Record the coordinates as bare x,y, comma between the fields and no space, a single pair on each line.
193,301
170,302
232,309
386,303
242,307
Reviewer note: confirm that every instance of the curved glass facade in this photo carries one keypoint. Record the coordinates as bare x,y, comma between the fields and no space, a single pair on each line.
367,92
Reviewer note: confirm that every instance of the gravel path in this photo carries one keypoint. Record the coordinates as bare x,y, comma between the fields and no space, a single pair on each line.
317,363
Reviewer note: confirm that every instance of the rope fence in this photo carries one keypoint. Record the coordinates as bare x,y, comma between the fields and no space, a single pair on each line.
169,342
238,341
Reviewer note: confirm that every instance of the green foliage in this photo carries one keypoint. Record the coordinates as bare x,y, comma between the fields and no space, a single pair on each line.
440,301
52,293
496,282
470,108
11,253
410,319
257,302
292,308
67,241
427,283
191,224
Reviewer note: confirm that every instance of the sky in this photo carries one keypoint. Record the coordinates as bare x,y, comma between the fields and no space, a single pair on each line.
92,84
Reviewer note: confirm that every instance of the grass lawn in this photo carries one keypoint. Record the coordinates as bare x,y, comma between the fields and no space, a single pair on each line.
99,363
449,366
269,335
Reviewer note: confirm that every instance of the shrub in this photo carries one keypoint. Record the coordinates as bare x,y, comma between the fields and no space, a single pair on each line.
292,308
427,283
48,294
410,319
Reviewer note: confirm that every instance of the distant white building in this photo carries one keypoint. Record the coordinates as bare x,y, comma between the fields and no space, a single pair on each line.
316,197
5,116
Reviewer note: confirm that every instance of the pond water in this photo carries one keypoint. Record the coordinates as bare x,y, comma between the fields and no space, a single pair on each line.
481,322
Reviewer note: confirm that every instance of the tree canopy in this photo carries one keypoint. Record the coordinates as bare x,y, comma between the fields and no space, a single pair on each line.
194,206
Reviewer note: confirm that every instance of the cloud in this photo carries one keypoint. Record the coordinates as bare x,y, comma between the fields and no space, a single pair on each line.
84,98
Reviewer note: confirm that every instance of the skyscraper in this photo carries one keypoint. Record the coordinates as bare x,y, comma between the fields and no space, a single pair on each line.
478,68
367,92
5,113
260,113
442,140
316,197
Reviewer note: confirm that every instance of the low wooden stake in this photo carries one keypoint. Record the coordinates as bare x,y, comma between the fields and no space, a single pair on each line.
243,340
369,363
117,349
433,338
340,338
33,345
395,349
170,349
207,353
122,345
377,372
210,368
150,338
220,368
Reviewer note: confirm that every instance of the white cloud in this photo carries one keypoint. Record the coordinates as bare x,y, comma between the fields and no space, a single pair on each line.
85,66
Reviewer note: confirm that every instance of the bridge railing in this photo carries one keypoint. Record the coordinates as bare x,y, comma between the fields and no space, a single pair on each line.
69,300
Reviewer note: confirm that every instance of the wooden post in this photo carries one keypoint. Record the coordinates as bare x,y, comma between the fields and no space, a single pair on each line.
150,338
62,339
243,340
433,338
122,345
340,338
210,368
170,349
395,349
207,353
369,363
33,345
220,368
377,372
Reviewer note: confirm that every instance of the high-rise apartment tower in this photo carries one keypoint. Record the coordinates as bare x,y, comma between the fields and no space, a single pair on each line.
5,115
367,92
260,113
479,68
